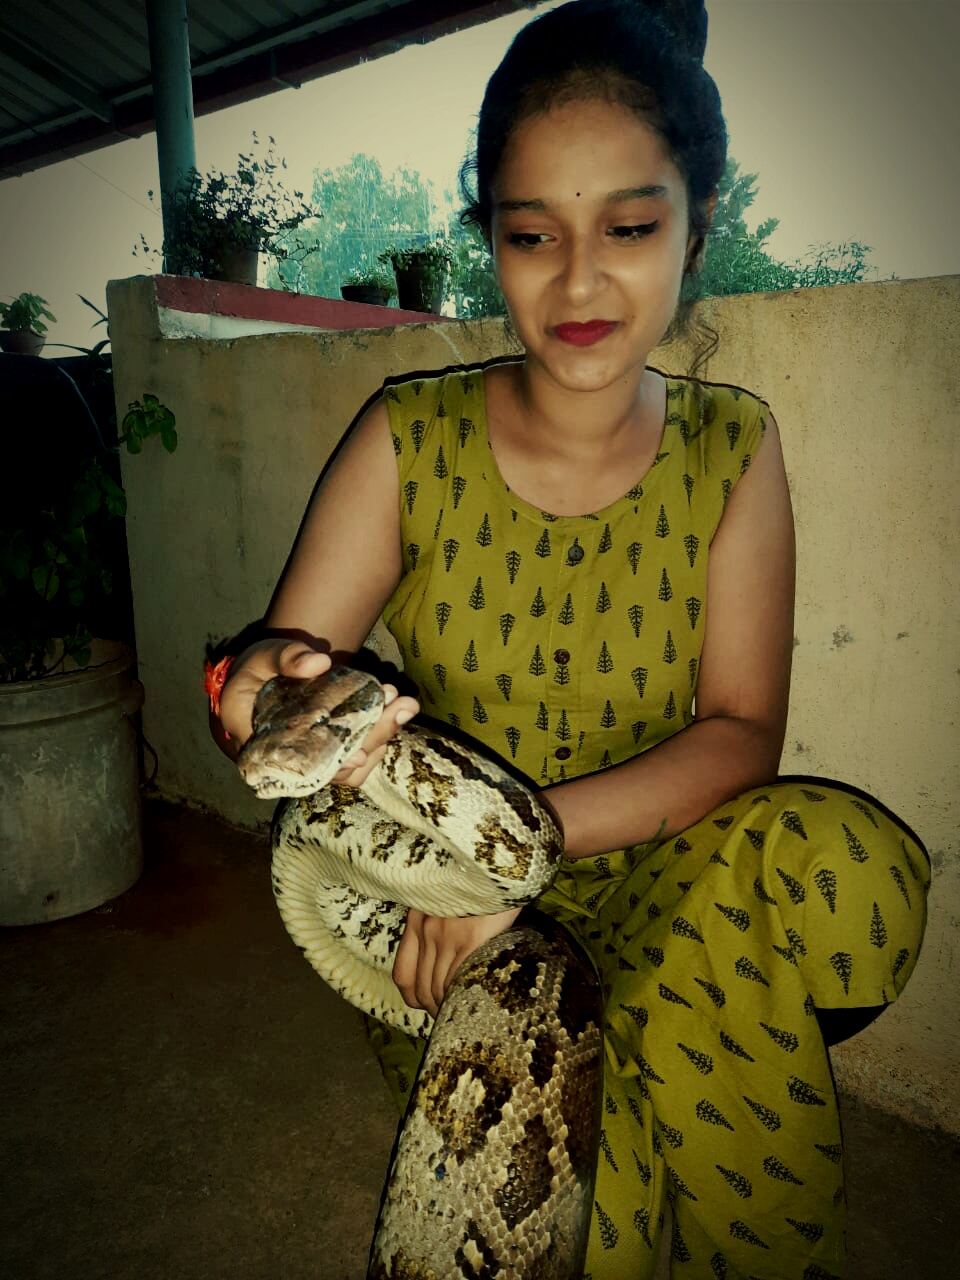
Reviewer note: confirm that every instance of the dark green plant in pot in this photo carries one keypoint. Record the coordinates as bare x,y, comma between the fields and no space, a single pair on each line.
421,269
217,223
366,284
55,556
28,311
22,327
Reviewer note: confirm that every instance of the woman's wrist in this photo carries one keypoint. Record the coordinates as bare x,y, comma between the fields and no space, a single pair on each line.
217,672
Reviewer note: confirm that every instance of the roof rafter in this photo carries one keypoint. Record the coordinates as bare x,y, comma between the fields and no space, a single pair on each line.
40,65
79,115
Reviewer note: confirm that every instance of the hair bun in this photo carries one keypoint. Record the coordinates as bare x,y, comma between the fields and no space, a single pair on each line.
686,19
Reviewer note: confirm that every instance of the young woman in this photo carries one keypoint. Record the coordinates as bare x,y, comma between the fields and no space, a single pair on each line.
588,565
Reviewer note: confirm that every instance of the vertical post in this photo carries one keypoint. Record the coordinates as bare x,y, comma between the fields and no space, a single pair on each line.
169,33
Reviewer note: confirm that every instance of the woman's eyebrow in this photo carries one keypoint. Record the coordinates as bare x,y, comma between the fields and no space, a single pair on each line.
650,191
515,206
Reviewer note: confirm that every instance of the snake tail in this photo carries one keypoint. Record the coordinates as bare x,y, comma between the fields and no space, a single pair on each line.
493,1170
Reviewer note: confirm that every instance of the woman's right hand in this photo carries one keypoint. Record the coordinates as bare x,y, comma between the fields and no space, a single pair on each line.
299,660
252,671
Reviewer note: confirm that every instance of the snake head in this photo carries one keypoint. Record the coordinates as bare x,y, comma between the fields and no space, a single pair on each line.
304,730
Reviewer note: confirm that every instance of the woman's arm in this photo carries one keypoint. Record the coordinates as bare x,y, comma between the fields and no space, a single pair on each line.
742,688
344,566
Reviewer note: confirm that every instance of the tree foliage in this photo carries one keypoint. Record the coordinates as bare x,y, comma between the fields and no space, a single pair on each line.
739,260
473,286
365,211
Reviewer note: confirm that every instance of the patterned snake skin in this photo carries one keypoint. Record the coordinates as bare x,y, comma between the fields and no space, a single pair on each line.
492,1174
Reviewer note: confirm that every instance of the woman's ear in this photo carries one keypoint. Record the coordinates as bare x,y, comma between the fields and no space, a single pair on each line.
698,243
695,248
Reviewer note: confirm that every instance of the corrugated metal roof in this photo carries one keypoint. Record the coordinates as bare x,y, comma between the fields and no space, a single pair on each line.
75,74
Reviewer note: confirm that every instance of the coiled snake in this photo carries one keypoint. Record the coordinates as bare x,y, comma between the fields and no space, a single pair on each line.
492,1173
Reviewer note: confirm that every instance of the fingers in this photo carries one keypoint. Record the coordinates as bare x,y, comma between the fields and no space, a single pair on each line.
358,767
298,659
397,712
433,948
406,960
422,962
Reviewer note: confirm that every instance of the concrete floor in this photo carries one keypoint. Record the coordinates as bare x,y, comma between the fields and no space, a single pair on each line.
183,1099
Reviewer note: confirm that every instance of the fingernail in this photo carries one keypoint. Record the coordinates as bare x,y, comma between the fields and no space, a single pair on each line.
403,716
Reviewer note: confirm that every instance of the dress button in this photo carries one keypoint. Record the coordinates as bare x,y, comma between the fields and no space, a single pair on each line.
563,753
561,657
575,554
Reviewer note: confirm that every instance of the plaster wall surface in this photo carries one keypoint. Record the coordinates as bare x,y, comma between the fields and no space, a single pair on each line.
864,381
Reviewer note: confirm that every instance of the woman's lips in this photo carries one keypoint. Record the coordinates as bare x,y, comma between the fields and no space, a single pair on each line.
584,335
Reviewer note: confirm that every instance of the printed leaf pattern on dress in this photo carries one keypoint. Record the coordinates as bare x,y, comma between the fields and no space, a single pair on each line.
627,631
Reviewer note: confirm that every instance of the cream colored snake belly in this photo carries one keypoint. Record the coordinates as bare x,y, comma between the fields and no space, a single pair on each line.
493,1169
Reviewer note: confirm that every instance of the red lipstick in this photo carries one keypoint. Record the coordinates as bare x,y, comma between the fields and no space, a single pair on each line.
584,335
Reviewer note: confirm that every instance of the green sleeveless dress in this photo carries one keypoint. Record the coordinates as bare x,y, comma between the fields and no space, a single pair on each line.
567,645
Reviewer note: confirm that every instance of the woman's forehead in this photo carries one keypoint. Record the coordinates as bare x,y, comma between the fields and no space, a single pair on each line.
599,147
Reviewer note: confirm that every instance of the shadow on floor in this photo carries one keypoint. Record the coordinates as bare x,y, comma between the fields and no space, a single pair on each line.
183,1099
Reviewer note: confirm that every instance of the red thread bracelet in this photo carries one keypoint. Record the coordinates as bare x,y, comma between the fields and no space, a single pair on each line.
214,678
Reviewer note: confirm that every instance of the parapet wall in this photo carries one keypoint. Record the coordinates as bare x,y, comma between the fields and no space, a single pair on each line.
864,381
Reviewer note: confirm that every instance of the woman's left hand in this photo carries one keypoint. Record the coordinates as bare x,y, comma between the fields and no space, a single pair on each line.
433,948
397,711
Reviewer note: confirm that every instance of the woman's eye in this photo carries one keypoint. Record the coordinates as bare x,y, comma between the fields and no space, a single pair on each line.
527,239
636,232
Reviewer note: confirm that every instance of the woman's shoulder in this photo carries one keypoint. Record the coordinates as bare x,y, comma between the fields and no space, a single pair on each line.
710,402
720,427
426,394
716,420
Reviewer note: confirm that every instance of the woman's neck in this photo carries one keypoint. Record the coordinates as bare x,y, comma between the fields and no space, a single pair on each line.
572,452
581,425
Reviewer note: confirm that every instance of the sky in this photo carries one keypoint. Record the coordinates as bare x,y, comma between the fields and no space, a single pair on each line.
845,109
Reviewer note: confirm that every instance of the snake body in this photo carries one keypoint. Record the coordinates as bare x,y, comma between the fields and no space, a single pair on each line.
493,1170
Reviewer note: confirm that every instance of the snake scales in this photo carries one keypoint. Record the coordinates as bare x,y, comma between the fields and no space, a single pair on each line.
492,1173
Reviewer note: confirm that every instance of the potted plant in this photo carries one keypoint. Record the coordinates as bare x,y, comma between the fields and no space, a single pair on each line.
217,224
23,328
69,770
421,271
367,284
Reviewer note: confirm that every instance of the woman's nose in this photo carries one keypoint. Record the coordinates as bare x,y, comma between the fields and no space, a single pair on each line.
583,269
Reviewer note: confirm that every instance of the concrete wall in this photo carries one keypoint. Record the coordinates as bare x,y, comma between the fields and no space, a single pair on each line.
864,381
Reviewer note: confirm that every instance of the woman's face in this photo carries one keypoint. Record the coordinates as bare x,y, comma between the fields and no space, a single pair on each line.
590,235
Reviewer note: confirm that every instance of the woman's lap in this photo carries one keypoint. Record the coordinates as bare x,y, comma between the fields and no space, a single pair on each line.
714,948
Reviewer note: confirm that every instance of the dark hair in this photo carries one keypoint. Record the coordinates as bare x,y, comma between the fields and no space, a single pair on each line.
645,56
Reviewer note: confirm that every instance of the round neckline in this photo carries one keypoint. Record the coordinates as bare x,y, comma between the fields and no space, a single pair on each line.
630,497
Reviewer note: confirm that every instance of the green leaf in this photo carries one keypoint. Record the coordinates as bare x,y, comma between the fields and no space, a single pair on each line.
86,495
116,502
134,426
46,582
93,306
